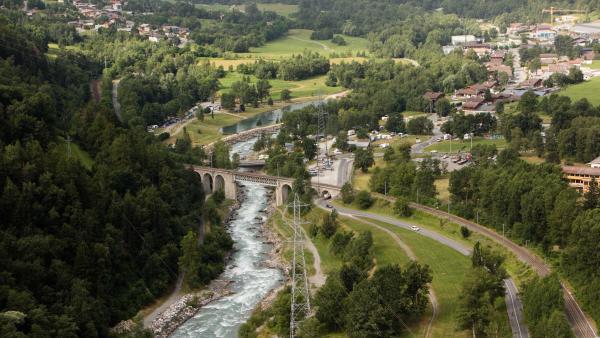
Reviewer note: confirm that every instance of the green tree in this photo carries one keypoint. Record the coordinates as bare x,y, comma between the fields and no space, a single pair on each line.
592,195
262,89
328,300
538,144
286,95
329,224
443,107
395,123
189,261
364,199
528,102
347,193
310,148
388,154
228,101
402,207
363,159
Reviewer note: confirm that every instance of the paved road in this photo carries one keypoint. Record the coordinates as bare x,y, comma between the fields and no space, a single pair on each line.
581,325
513,303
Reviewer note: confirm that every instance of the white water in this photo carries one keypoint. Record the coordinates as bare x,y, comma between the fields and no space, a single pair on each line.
251,281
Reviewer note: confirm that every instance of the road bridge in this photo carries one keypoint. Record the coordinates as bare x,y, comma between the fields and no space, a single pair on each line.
214,179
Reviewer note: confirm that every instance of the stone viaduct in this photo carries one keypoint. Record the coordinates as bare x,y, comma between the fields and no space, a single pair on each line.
214,179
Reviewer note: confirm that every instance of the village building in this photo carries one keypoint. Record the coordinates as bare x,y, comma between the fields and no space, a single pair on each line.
462,39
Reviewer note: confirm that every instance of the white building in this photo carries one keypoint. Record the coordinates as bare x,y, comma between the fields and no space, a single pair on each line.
462,39
595,163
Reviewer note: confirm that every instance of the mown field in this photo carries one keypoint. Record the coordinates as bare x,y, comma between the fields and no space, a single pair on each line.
298,41
305,88
588,89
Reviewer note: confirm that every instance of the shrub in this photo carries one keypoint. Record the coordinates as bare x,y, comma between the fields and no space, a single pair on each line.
465,232
402,207
364,199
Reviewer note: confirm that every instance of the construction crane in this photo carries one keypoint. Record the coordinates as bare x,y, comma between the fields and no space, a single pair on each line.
553,10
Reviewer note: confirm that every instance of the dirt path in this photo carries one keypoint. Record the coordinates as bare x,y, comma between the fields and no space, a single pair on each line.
115,98
148,319
312,41
95,88
411,255
318,279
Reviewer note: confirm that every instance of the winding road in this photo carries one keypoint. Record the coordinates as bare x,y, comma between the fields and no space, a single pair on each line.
581,325
513,303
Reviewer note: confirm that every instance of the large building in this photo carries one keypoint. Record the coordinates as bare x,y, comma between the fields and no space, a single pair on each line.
580,177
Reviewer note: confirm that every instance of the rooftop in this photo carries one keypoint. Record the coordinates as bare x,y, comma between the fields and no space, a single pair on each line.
568,169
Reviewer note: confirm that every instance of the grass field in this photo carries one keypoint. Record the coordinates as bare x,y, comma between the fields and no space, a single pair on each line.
588,89
448,267
281,9
360,180
464,145
441,186
209,129
304,88
517,270
298,41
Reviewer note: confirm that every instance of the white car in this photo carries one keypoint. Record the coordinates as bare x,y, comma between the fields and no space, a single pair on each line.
415,228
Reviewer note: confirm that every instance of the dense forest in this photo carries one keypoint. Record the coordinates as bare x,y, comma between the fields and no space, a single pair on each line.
85,240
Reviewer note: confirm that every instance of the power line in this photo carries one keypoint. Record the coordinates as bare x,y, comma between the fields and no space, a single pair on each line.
300,305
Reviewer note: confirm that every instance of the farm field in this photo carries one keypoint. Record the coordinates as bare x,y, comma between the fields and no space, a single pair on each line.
298,41
464,145
588,90
304,88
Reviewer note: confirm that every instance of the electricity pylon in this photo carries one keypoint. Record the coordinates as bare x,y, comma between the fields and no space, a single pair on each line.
300,307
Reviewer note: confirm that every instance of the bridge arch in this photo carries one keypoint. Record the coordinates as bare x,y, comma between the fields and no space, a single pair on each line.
207,183
219,183
286,191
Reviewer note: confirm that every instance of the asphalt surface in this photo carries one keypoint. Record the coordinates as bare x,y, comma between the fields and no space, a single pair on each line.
513,303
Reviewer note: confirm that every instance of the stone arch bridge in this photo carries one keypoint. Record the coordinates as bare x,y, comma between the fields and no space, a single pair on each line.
214,179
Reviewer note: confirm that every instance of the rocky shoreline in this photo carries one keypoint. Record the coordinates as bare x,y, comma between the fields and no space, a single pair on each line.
188,305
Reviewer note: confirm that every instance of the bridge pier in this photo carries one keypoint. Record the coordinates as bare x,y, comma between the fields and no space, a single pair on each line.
214,179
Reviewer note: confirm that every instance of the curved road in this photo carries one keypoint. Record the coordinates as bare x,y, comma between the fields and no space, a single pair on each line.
513,303
580,324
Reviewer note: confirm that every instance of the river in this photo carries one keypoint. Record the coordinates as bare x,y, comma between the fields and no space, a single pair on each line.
264,119
252,281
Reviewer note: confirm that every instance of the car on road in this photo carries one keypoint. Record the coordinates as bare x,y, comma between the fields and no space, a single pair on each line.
414,228
329,206
326,196
418,140
445,156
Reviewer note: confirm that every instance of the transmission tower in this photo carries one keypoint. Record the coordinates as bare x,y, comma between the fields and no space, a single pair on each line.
300,307
321,125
